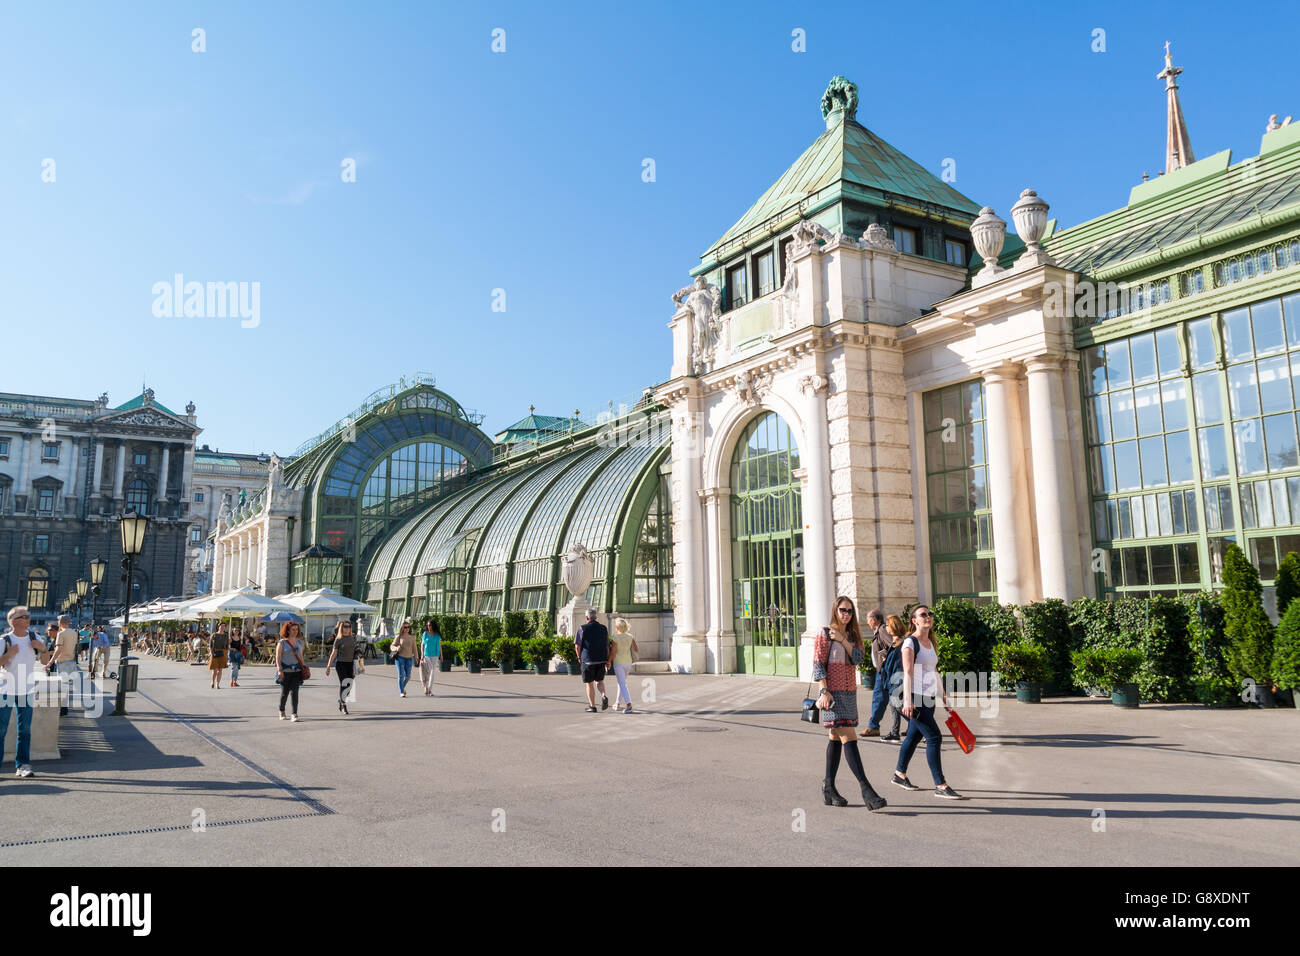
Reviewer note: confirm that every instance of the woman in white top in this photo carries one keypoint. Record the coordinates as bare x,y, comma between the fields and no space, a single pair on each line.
624,655
922,689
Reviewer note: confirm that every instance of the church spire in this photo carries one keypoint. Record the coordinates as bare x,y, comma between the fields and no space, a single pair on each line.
1178,144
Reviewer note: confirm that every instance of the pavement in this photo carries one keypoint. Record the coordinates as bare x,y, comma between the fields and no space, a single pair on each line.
710,770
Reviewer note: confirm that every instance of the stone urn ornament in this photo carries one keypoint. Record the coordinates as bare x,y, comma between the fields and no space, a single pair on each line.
577,571
989,233
1030,216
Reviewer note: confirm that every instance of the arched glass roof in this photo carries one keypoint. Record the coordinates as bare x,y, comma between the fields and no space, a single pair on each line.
525,511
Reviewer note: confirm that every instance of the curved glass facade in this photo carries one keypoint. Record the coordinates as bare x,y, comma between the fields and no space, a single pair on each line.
496,544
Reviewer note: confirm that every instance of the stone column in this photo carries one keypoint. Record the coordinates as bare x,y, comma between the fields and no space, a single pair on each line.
689,648
162,472
1008,489
24,469
819,532
721,638
96,482
121,470
1054,488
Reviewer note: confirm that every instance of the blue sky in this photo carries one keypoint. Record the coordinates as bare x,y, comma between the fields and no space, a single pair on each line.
518,171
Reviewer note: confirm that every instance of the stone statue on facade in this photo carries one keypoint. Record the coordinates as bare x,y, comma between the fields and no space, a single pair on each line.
190,409
704,302
807,233
877,237
102,401
146,398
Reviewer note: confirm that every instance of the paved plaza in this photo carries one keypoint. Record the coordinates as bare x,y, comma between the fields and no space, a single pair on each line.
509,770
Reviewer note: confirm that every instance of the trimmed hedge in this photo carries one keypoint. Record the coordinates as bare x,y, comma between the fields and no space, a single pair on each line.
1047,624
1286,649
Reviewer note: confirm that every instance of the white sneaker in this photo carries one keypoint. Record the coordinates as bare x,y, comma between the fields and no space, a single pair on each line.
23,771
294,719
282,717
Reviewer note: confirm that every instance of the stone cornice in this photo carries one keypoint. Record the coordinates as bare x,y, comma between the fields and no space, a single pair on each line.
1012,291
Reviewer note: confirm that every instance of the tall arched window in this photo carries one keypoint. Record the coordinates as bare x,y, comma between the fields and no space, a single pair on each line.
767,548
38,588
137,497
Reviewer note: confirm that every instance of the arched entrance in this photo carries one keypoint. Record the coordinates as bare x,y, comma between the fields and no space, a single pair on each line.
767,548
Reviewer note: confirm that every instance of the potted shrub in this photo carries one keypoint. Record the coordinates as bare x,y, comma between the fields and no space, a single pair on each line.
1119,664
564,648
384,646
474,652
1286,652
538,651
504,652
450,653
1025,665
1088,673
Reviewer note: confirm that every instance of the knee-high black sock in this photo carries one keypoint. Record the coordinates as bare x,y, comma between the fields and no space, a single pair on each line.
855,761
833,748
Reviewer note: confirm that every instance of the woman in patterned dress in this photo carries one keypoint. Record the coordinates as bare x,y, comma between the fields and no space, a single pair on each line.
836,656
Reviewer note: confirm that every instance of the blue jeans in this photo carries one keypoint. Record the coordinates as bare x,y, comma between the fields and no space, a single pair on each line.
922,725
880,702
403,672
236,661
23,750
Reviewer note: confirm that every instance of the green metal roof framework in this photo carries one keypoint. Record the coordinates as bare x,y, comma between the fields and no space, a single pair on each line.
847,163
508,530
138,402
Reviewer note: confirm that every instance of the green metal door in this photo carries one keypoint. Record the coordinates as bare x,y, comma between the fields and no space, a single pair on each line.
767,549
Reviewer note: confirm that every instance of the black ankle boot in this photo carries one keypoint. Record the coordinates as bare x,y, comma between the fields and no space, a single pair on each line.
829,794
873,800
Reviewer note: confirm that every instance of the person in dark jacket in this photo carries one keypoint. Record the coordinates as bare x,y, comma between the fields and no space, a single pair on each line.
592,647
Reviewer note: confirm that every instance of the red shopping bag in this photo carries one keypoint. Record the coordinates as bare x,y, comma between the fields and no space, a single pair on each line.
960,732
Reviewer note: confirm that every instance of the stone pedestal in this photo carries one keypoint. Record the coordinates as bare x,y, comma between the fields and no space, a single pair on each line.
45,735
689,656
571,617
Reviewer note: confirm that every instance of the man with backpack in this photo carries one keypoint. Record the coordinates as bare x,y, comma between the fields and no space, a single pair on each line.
19,651
886,657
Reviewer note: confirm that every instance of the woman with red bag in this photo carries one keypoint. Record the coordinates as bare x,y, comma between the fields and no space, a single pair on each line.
921,680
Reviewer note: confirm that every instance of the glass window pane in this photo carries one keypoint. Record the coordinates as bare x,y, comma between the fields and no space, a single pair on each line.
1099,417
1189,505
1173,397
1178,448
1117,369
980,489
973,401
1128,476
1115,573
1107,469
1112,514
1146,401
1266,320
1212,522
1280,437
1177,512
1138,511
1189,566
1125,518
1249,441
1274,376
1293,493
983,569
1214,454
977,442
1236,335
1200,339
1291,308
1153,514
1162,564
1166,516
1154,471
1208,400
1243,395
1263,505
1122,422
1247,499
1170,359
1142,353
1094,369
1226,514
1135,566
1281,504
1264,557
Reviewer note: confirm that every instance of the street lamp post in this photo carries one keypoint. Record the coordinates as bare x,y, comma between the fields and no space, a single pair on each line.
82,586
133,527
97,569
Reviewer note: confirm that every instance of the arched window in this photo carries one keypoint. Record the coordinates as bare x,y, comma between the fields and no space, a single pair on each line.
137,497
38,588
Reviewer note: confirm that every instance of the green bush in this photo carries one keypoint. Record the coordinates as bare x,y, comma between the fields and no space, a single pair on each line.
1166,654
953,616
542,624
489,629
1287,581
1286,648
1003,625
564,647
1219,691
538,650
1021,661
1093,623
1105,667
475,649
383,644
954,656
514,625
1205,634
1047,624
450,650
1250,633
506,650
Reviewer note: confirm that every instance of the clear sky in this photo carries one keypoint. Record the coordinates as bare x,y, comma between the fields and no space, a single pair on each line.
519,171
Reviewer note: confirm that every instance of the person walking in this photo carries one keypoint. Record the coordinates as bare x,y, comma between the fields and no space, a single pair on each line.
236,655
99,651
19,653
403,651
289,665
879,648
63,657
921,691
837,653
430,655
625,650
217,650
889,677
592,647
343,656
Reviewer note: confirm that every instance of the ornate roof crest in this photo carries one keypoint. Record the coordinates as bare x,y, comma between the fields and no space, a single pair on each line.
841,96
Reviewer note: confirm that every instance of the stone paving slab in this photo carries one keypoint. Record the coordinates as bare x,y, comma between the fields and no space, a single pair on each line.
509,770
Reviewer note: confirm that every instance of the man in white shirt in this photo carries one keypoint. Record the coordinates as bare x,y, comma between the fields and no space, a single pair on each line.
18,655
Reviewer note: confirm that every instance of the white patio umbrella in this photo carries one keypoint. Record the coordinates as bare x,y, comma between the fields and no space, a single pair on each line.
323,603
243,602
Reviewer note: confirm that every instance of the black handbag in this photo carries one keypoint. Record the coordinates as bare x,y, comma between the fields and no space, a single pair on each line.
810,711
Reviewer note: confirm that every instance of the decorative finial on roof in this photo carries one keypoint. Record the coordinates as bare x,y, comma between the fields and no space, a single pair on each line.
531,409
1178,143
841,96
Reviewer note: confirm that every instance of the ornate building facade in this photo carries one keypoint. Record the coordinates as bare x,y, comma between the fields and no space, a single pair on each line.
68,468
